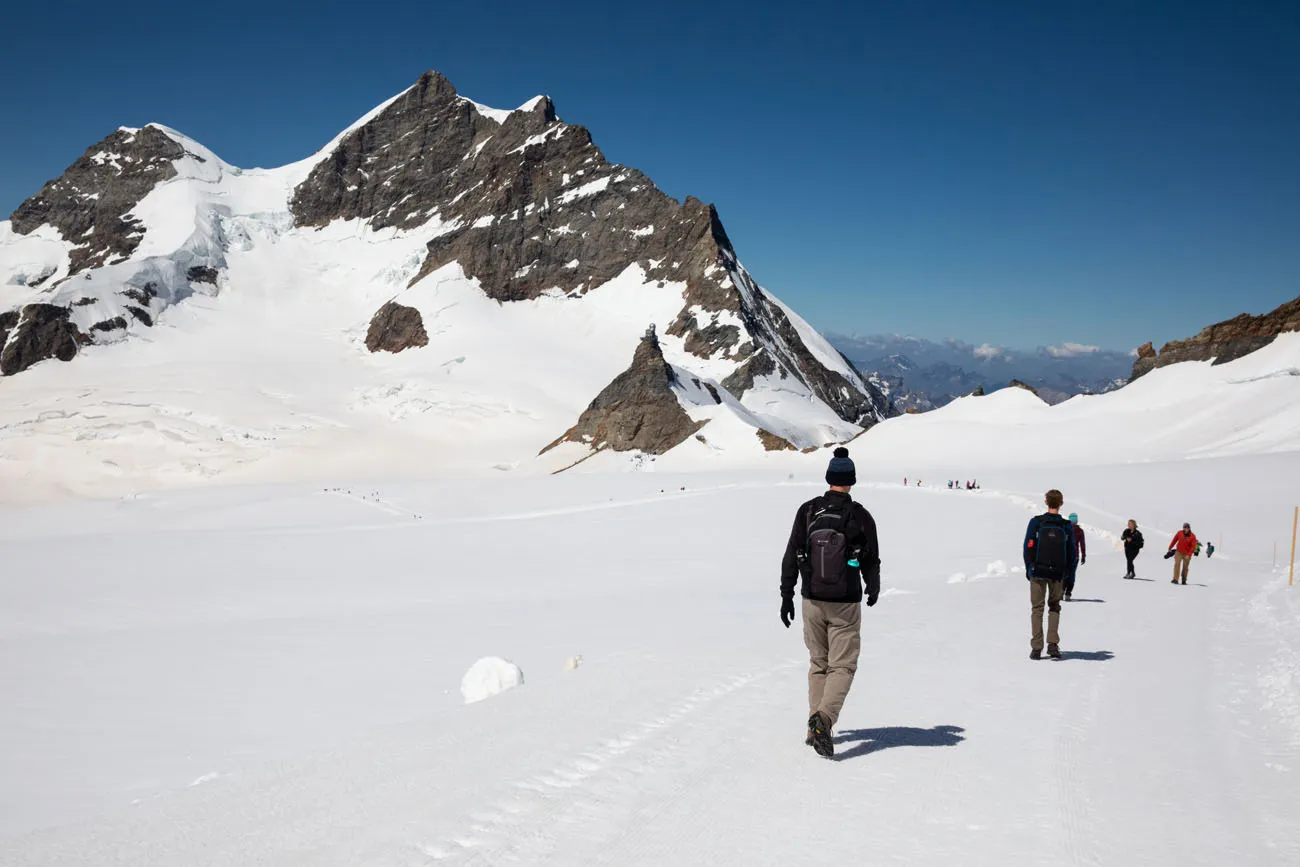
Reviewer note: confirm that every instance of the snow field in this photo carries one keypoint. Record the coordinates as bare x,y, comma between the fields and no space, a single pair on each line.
296,652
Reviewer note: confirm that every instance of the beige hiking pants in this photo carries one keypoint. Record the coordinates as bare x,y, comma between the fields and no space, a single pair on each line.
833,633
1181,561
1039,592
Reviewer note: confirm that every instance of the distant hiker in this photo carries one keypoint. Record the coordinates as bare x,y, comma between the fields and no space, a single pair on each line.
832,553
1133,542
1049,552
1080,555
905,481
1209,550
1183,547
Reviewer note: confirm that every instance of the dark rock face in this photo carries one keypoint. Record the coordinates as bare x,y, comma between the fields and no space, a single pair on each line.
202,274
96,192
534,207
142,316
395,327
8,321
774,443
637,411
37,332
1224,341
109,324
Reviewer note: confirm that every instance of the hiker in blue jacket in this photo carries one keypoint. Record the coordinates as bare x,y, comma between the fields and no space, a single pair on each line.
1050,555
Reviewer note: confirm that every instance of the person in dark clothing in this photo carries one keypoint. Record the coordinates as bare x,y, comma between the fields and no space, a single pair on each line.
832,553
1049,552
1080,555
1133,542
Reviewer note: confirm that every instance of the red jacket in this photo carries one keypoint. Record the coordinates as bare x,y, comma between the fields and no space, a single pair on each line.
1186,545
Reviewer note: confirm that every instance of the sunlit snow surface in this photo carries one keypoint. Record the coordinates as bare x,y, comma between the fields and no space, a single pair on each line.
271,675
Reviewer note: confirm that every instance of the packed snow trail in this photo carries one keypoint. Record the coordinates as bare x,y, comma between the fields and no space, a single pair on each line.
186,684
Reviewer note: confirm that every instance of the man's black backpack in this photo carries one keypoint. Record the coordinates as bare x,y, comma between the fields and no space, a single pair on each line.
827,557
1051,558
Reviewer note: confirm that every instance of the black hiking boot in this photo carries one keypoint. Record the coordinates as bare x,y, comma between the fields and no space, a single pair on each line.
807,742
819,730
1036,653
1054,651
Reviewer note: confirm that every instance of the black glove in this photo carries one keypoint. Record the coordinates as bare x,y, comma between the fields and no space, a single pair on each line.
1169,553
1083,560
872,599
787,610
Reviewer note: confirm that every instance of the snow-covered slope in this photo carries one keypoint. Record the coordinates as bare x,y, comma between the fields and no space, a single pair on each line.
223,319
272,676
1190,410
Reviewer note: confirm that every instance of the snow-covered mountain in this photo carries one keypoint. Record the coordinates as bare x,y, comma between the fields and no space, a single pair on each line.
931,373
442,284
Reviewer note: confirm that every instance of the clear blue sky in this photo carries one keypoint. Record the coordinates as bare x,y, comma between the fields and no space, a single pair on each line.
1022,172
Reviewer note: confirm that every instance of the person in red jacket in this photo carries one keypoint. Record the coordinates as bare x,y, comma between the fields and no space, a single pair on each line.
1183,546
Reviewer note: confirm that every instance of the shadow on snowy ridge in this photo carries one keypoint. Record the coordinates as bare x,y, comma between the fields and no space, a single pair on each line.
1087,600
872,740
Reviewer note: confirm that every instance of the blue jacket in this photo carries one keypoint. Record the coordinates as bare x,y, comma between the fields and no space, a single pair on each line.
1031,533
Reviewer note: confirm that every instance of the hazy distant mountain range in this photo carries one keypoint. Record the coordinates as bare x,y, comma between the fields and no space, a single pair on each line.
922,374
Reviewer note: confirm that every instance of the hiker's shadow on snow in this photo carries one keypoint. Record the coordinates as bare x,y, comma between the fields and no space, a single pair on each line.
1088,655
867,741
1087,600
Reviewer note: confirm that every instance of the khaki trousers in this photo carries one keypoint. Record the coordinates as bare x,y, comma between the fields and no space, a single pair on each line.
833,633
1181,561
1039,592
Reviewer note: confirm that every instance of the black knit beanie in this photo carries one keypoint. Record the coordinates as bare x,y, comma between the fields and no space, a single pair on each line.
841,472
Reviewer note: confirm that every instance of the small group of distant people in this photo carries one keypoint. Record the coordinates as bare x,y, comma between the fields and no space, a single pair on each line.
832,560
956,485
1054,549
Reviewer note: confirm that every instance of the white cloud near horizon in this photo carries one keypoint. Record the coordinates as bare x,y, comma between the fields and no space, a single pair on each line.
1070,350
988,350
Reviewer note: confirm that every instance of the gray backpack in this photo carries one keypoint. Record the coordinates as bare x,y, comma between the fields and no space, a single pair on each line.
828,549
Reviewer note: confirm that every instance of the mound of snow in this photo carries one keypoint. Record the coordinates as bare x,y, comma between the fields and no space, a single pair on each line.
490,676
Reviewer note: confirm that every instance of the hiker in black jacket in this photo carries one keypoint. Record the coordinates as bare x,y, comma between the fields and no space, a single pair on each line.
1133,542
832,553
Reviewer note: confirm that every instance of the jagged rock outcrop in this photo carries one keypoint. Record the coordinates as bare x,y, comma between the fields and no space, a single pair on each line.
637,411
395,327
773,443
90,201
1015,383
978,392
529,205
1224,341
36,333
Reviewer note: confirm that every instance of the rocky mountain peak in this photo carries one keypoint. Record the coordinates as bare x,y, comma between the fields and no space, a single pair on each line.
638,410
90,202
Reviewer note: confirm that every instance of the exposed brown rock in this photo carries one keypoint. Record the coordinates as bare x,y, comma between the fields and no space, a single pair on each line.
1015,383
774,443
395,327
97,192
1146,350
1224,341
637,411
39,332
